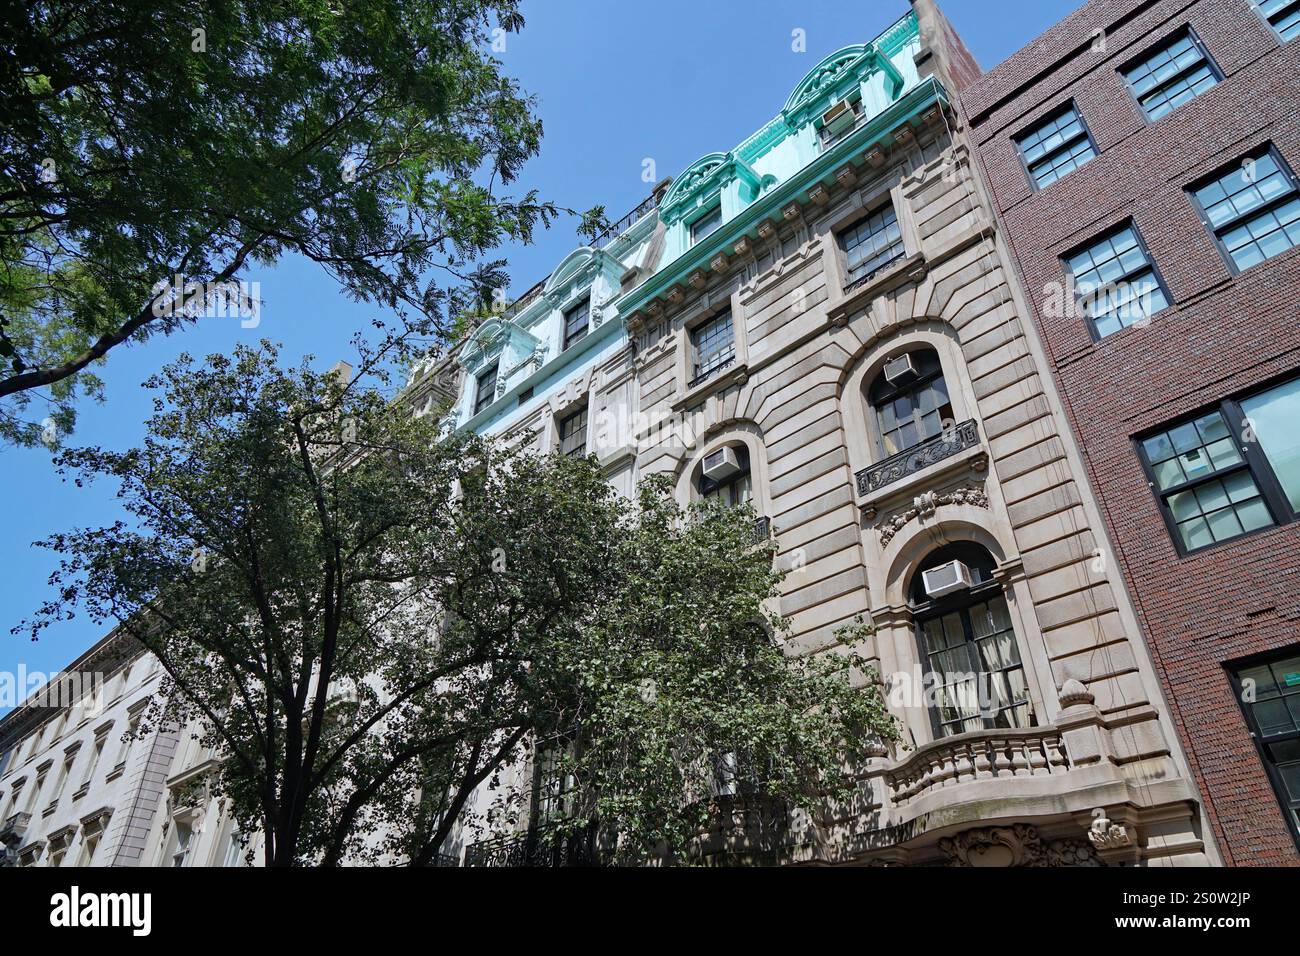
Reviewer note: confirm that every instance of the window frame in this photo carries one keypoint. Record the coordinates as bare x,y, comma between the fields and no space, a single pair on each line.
928,379
1168,40
479,404
1254,461
1256,153
1069,105
1233,670
1107,233
691,239
569,337
1268,24
851,282
961,603
699,376
571,415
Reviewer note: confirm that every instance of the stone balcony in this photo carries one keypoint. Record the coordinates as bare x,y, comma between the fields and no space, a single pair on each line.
980,755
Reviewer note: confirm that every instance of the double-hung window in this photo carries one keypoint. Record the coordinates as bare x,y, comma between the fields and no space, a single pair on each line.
1231,470
714,345
573,433
1058,145
1172,74
1253,209
706,224
575,321
1116,281
1269,691
870,245
485,388
1282,15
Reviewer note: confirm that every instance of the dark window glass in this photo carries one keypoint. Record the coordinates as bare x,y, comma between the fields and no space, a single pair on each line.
714,346
1253,209
706,224
573,434
871,245
1283,16
575,322
1270,693
486,388
969,647
1056,146
1116,282
913,408
1171,75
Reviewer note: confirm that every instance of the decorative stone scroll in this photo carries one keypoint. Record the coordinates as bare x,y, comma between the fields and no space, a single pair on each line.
1016,845
925,505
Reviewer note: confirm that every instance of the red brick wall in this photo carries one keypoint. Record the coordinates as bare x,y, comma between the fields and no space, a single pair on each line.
1222,335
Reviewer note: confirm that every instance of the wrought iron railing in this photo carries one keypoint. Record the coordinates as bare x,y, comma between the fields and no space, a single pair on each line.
947,443
606,236
535,849
762,529
712,370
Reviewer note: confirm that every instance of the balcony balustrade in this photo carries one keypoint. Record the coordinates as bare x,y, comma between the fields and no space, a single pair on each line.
947,443
979,755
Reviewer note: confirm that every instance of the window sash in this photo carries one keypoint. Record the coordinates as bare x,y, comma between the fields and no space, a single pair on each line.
485,389
1273,719
715,346
870,245
576,320
1056,146
1231,459
573,434
951,644
1252,218
1116,281
706,224
1174,73
1283,16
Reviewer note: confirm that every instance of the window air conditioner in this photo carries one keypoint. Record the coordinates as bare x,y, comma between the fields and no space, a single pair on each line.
898,369
838,117
721,464
946,578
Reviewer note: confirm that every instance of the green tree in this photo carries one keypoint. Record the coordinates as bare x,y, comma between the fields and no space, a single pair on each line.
370,620
143,141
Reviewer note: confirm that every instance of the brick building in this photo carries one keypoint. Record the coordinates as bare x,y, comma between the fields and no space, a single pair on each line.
1141,157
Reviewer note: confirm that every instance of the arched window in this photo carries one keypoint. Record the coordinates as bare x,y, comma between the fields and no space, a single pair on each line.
725,475
910,400
967,643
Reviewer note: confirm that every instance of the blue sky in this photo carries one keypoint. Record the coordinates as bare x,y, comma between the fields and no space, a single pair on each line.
618,83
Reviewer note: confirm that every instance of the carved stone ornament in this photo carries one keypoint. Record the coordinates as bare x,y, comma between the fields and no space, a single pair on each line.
1106,835
926,504
1016,845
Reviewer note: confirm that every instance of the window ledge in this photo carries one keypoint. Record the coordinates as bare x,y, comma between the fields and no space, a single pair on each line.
975,459
116,772
737,374
908,269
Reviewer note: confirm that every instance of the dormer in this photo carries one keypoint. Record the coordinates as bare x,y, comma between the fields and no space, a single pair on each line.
496,352
708,193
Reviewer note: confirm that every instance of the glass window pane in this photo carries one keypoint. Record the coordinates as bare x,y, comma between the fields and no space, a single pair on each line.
1272,418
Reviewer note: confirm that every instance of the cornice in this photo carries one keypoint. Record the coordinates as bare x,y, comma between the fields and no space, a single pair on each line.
790,193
